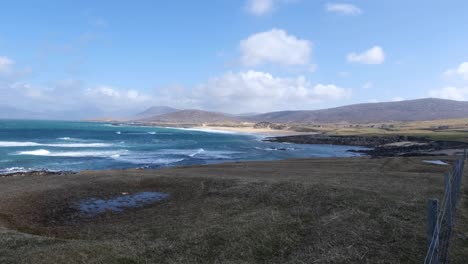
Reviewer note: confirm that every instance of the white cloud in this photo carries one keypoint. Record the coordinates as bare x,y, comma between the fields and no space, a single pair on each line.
9,69
374,55
255,91
368,85
114,94
461,70
6,65
452,93
275,46
342,8
397,99
260,7
343,74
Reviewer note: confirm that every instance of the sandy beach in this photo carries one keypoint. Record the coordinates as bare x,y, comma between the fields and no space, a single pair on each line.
251,130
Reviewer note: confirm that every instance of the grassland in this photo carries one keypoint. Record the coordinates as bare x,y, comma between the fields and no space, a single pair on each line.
447,129
355,210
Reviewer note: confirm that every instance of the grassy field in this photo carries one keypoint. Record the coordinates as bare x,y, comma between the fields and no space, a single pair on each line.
355,210
447,129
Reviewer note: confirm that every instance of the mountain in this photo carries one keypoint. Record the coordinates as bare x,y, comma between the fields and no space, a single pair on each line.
410,110
9,112
193,116
245,114
154,111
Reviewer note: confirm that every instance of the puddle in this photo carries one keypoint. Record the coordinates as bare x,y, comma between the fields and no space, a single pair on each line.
436,162
95,206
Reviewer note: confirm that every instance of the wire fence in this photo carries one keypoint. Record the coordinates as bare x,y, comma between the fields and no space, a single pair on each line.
440,217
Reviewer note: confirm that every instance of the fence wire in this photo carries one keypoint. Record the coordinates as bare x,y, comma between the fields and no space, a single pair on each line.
441,217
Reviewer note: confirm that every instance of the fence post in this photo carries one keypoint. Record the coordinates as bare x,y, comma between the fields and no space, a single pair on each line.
447,218
432,232
457,182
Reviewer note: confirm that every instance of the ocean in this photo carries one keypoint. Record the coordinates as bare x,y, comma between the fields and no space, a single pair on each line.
74,146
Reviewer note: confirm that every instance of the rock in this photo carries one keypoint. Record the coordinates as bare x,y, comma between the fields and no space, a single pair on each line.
381,146
263,125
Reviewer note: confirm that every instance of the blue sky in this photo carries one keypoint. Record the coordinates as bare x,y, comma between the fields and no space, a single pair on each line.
226,55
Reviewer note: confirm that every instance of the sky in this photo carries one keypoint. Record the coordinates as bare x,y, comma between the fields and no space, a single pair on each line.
238,56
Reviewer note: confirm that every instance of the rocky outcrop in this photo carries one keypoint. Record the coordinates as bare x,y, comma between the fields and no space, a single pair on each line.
379,146
363,141
269,125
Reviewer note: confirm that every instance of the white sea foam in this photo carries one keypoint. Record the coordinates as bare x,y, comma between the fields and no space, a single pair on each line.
13,170
47,153
38,152
18,144
275,149
206,130
79,145
71,139
60,145
140,133
139,159
200,153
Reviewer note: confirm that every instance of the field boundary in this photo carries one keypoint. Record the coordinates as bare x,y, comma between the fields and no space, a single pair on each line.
441,216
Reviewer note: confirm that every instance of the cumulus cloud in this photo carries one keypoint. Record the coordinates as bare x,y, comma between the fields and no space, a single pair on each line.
235,92
277,47
450,92
6,65
111,95
28,90
245,91
374,55
255,91
342,8
9,69
461,70
368,85
260,7
397,99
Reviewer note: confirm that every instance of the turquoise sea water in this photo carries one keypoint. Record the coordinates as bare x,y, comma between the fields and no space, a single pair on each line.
59,146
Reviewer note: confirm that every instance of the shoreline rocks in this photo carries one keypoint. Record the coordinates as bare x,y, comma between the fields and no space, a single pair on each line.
36,173
380,146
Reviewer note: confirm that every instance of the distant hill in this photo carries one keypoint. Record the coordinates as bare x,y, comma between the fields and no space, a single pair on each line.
193,116
154,111
410,110
9,112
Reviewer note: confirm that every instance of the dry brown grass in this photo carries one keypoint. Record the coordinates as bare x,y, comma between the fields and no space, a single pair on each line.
355,210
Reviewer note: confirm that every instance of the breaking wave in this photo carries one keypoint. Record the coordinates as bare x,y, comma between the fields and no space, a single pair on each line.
60,145
47,153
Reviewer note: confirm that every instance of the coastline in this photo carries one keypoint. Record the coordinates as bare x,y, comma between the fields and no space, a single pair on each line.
250,130
382,146
240,129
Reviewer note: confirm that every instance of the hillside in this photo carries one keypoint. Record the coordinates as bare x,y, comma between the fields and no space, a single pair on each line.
193,116
411,110
155,111
7,112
